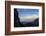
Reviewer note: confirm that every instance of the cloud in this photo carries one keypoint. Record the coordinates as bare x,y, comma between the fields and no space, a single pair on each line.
28,18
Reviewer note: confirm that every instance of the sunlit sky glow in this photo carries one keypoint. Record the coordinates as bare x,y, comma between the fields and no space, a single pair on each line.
28,14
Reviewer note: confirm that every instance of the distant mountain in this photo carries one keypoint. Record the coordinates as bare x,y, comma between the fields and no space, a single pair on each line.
34,23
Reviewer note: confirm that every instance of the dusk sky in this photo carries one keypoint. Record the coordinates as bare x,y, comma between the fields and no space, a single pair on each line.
28,14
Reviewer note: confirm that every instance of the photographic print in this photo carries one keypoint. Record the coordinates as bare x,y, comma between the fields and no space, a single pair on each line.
24,18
